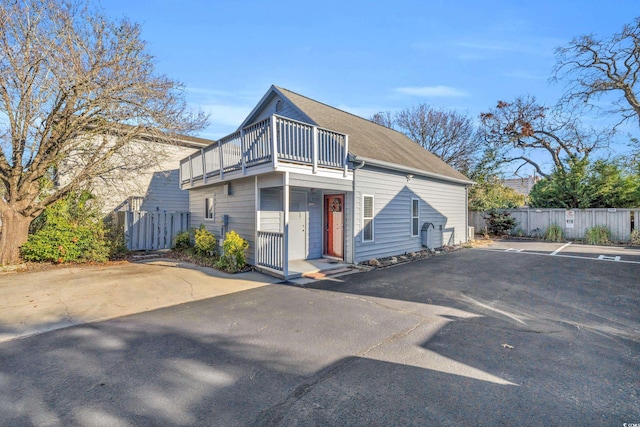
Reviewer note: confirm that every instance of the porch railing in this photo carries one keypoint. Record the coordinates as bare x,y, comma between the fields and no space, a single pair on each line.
270,250
291,140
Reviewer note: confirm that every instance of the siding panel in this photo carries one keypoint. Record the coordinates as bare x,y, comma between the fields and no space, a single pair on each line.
442,204
287,111
240,206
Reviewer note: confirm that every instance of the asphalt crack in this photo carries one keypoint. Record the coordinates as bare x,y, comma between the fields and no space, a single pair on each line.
67,313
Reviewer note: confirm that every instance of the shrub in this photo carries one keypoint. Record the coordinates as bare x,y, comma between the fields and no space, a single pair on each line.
635,237
598,235
204,241
114,235
233,258
499,222
183,241
70,230
554,233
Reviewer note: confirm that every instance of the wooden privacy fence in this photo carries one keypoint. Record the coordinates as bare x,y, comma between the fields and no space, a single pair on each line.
144,231
574,222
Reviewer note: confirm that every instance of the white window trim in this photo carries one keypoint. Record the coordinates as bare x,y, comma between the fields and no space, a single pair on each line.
213,210
373,215
417,233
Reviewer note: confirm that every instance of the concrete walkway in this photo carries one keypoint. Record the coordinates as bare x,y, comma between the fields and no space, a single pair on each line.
37,302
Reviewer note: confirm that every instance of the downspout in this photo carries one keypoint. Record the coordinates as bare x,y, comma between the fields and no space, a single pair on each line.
466,213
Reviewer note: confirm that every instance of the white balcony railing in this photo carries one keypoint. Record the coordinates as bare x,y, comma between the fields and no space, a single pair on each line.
291,140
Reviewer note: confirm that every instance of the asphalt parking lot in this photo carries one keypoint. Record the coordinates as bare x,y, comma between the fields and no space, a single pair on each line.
568,249
476,337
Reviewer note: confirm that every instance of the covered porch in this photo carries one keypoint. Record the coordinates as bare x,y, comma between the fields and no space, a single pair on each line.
302,225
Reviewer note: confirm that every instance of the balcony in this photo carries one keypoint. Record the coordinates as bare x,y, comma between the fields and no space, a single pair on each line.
272,143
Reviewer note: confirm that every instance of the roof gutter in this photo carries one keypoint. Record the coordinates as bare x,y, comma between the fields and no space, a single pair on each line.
387,165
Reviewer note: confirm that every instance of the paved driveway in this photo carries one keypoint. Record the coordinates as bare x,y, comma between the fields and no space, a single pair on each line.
42,301
474,337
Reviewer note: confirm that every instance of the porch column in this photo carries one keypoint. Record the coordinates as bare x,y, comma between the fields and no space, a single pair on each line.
285,244
256,228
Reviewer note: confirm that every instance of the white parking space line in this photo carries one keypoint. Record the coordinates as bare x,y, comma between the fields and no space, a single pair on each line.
601,258
609,258
513,250
560,249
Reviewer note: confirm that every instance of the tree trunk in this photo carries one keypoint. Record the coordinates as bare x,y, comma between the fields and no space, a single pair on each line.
15,230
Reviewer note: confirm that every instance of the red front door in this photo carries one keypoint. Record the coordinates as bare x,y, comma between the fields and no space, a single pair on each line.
334,225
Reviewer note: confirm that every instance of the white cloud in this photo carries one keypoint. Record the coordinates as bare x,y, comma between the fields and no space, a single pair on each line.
439,91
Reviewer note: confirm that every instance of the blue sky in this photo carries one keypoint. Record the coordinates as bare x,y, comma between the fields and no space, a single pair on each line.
364,56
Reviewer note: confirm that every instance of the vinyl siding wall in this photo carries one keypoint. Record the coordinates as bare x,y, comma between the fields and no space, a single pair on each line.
271,216
159,184
441,203
164,193
239,205
287,111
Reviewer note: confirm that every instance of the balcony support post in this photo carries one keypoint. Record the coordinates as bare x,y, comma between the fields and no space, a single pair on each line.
345,157
274,142
285,241
221,161
191,170
314,155
204,167
243,154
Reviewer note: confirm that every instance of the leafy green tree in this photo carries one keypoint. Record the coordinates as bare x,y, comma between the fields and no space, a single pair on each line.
599,184
488,191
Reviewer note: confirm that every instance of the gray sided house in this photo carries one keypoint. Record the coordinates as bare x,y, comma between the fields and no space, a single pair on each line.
302,180
154,188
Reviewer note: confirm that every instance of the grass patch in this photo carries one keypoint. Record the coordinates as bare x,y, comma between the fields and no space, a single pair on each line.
554,233
598,235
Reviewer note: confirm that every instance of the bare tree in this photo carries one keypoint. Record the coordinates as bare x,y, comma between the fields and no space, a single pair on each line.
76,90
447,134
525,132
384,118
594,67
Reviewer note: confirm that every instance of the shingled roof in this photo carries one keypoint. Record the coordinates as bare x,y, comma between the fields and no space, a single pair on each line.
369,140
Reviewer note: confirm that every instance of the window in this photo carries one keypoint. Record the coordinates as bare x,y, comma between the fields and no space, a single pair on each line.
209,208
367,218
415,217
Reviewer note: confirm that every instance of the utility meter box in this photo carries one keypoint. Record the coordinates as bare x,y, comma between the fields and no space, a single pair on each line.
426,236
